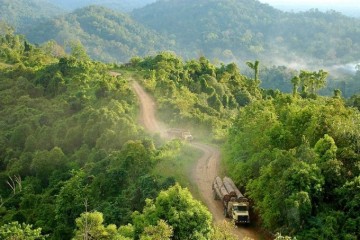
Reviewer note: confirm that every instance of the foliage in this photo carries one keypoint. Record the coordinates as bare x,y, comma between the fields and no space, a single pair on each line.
124,5
69,133
107,35
90,226
188,218
15,230
223,231
162,231
23,14
196,92
296,156
229,30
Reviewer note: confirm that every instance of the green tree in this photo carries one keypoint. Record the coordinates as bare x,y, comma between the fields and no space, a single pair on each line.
312,80
295,81
78,51
70,203
162,231
90,225
187,216
224,231
255,67
20,231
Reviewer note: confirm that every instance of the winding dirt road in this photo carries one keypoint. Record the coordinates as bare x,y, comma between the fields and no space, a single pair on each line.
206,168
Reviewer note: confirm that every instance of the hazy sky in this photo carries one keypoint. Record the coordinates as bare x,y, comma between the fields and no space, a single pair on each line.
351,7
313,2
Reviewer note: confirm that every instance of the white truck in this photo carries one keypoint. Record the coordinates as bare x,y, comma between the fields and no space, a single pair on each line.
235,204
179,134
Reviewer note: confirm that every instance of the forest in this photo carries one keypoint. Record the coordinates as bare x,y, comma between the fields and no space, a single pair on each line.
124,5
227,30
62,158
222,31
296,155
75,162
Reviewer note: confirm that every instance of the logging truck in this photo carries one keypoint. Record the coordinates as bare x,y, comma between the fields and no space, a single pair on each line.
236,206
176,133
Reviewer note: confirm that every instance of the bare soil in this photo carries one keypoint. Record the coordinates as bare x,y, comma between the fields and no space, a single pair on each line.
206,168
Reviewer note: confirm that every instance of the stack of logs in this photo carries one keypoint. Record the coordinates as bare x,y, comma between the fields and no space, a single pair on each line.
226,189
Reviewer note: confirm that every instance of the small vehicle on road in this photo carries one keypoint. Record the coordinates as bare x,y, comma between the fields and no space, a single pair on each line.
177,133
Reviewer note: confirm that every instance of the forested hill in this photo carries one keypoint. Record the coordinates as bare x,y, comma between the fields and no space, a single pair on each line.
74,162
227,30
249,29
123,5
106,34
22,14
71,148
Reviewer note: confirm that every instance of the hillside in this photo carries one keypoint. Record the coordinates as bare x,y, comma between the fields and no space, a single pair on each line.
216,28
227,30
106,34
123,5
22,14
75,163
249,29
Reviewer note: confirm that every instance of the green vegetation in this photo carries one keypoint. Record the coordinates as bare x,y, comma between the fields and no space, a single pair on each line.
124,5
69,141
107,35
74,163
296,154
196,92
243,29
277,77
177,162
299,160
19,231
23,14
227,30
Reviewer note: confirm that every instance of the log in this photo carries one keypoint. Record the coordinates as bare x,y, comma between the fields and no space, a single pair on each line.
220,189
230,182
218,181
229,188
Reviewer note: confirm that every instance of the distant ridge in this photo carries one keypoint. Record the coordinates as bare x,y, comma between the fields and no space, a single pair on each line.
25,13
123,5
242,29
107,35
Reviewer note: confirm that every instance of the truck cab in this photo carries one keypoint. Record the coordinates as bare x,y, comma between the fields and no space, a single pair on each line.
240,212
177,133
186,135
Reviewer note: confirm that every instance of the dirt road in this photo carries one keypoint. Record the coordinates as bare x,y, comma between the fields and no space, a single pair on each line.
206,168
147,111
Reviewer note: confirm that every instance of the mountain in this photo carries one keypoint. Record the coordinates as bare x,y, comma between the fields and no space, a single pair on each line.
107,35
123,5
349,8
22,14
242,29
213,27
228,30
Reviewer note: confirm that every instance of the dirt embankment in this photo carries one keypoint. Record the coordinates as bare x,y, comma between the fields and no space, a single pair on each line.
206,168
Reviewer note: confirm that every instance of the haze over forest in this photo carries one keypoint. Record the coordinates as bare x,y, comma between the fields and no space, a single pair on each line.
116,116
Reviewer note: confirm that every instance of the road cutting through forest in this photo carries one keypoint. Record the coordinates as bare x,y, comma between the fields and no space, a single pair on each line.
206,168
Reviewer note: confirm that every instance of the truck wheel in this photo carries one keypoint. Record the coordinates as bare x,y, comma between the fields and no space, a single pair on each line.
225,213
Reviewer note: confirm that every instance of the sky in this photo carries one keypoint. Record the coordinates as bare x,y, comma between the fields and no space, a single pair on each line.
349,7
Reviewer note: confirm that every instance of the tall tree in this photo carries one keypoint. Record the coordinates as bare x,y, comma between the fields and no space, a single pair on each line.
187,216
17,231
254,66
